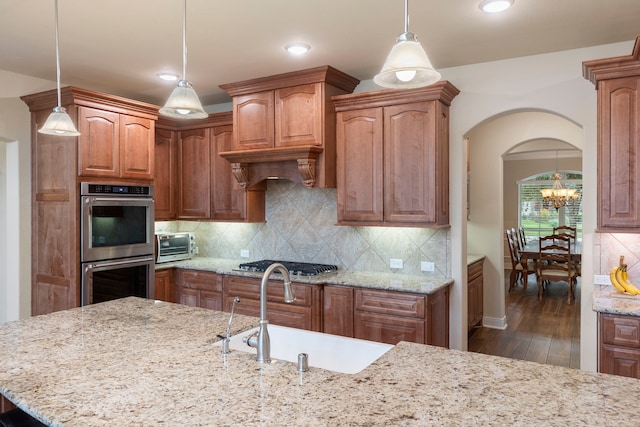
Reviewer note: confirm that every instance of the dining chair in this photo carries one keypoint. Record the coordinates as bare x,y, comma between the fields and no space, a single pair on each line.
565,230
555,264
516,238
523,238
520,267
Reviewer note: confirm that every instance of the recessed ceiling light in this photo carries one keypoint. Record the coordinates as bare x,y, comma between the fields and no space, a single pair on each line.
170,77
297,48
495,6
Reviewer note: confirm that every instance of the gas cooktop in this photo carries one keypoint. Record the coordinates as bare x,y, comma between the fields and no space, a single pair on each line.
296,268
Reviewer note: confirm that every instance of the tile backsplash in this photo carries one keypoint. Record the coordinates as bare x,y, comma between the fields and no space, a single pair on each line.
300,226
609,246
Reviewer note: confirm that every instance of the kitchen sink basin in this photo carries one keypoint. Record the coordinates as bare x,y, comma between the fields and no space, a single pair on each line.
326,351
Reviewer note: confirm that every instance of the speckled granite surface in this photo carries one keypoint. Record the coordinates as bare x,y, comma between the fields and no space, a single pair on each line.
471,258
396,282
144,363
607,300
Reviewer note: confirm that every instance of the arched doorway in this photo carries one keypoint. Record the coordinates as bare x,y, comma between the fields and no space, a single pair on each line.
488,142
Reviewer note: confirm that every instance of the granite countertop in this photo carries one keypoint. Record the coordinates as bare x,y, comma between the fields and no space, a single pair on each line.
374,280
607,300
147,363
473,258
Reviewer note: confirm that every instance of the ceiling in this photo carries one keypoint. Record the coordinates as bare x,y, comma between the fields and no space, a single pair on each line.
118,46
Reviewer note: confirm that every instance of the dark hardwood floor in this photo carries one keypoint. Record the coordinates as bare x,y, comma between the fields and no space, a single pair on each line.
544,331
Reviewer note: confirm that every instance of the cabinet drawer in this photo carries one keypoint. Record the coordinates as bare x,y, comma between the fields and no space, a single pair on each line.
194,279
390,303
620,361
474,270
620,330
245,287
388,329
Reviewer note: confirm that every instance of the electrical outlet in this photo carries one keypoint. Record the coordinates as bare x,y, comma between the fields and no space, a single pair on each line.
427,266
395,263
601,279
244,253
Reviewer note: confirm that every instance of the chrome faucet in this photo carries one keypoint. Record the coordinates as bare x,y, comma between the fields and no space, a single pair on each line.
227,339
261,340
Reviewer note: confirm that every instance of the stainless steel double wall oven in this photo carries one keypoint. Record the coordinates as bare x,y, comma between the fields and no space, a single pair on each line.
117,241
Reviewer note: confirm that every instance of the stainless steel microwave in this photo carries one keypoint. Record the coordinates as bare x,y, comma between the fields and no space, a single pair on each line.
172,246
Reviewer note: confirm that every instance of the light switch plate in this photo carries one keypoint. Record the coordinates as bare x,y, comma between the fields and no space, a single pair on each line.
395,263
601,279
244,253
427,266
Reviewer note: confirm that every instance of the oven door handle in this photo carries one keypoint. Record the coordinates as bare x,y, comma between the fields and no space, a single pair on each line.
92,265
90,200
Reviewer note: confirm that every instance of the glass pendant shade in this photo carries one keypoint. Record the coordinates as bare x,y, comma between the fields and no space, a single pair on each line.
183,103
59,123
407,66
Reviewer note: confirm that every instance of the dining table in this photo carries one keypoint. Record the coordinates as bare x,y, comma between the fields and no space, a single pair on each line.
531,249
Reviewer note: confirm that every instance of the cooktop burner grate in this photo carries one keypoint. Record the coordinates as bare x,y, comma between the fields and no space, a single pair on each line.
296,268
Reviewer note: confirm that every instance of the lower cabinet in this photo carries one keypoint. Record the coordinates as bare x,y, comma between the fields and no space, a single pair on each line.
475,290
387,316
5,404
304,313
199,288
164,287
619,345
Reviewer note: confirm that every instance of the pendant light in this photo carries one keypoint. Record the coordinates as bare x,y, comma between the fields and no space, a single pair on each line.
407,65
58,123
183,103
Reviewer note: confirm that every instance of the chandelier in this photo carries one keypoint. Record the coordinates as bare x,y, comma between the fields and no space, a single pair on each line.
557,196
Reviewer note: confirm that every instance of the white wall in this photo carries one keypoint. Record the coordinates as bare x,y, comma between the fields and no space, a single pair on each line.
15,210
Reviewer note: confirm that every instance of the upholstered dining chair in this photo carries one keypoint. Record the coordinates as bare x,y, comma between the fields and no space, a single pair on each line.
555,264
520,267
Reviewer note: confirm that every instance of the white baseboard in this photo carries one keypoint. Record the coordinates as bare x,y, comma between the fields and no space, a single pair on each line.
495,322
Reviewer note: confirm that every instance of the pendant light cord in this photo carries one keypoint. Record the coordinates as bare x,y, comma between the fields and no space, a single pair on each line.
57,58
184,39
406,16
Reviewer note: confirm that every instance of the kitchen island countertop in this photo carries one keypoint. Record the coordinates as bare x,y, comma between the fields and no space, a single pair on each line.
147,363
424,284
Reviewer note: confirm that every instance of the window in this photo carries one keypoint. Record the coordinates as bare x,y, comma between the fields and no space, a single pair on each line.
538,220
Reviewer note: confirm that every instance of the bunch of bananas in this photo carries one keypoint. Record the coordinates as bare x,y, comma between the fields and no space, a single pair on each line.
620,280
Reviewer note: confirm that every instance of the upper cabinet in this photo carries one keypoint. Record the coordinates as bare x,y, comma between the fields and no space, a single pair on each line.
393,156
115,145
618,83
284,126
202,185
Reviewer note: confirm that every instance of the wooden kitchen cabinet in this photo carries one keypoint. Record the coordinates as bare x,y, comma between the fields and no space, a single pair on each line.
619,345
475,291
618,83
393,156
304,313
199,288
284,125
166,173
337,310
164,285
113,148
205,188
391,317
114,145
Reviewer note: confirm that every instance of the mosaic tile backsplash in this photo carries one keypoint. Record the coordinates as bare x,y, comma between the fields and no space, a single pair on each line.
300,226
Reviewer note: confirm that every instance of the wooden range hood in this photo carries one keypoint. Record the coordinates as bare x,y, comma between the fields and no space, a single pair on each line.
284,126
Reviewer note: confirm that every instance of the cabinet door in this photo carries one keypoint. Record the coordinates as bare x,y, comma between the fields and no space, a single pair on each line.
190,297
98,143
338,310
359,165
194,178
618,154
388,329
299,115
253,117
227,201
620,361
164,285
137,145
410,163
166,159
